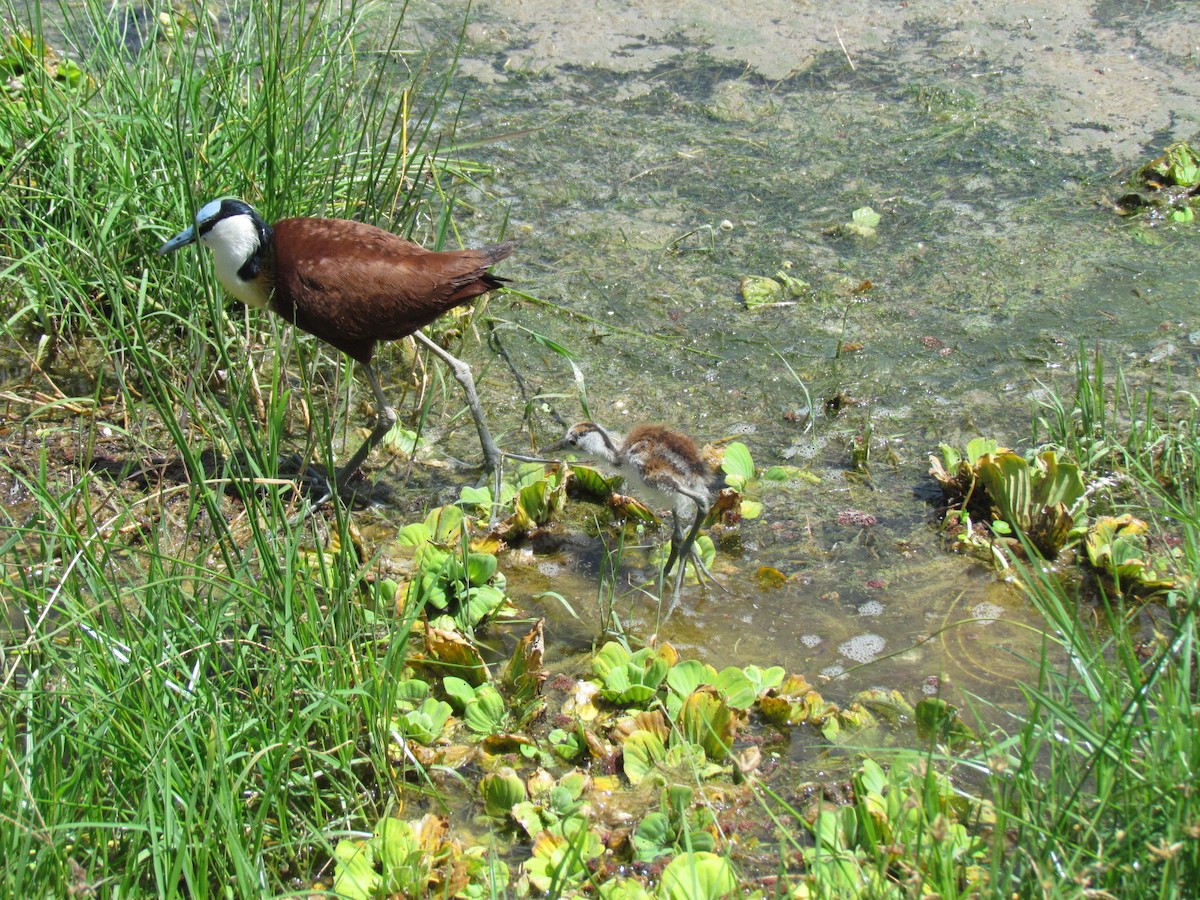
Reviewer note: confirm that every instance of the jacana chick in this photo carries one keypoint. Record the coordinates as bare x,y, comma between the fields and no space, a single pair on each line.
350,284
665,467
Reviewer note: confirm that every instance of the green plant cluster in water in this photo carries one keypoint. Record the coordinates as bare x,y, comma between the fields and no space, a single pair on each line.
1166,188
1038,498
675,729
450,580
678,726
1002,503
898,815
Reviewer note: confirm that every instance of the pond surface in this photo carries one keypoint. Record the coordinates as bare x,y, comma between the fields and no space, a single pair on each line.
648,161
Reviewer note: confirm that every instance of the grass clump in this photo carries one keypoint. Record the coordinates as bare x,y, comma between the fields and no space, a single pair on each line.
195,692
1093,785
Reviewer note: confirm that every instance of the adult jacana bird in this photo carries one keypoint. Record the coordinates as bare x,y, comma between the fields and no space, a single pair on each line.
666,468
350,284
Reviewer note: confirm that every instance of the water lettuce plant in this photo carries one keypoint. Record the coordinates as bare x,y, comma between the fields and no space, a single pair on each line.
448,576
863,222
1166,188
676,827
1040,502
530,496
783,289
415,859
419,716
1039,498
907,811
1117,550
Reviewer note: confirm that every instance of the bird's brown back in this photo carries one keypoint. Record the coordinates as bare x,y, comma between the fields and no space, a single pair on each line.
649,445
352,284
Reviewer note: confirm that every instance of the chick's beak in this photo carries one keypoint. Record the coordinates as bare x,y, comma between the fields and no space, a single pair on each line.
541,457
185,237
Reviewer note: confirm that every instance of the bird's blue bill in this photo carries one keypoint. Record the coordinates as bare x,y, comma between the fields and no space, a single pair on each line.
185,237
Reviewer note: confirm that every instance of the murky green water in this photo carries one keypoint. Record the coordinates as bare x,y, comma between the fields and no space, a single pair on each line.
640,200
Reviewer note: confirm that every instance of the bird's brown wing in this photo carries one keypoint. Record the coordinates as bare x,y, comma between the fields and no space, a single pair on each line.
352,284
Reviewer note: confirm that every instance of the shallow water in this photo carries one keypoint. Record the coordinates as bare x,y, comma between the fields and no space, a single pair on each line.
647,175
646,161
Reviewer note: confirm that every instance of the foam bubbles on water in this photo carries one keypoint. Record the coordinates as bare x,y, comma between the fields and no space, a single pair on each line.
987,613
871,608
810,640
862,648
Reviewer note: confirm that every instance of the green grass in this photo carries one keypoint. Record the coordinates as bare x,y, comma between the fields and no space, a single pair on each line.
197,688
1096,785
191,694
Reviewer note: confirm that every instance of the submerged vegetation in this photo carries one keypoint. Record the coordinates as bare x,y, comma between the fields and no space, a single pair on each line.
205,694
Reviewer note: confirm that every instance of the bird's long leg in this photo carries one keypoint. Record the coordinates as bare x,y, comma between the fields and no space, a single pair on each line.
491,454
687,549
676,542
462,372
386,418
680,545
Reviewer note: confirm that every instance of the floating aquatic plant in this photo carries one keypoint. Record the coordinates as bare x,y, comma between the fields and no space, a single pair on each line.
796,702
784,289
706,719
1179,165
863,222
629,679
415,859
699,875
482,707
1116,548
740,474
501,791
552,801
530,494
561,856
1040,499
524,675
864,849
446,651
958,474
939,720
448,576
1165,188
733,685
675,828
425,723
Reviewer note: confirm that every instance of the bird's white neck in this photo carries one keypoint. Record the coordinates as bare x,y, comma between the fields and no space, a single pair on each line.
234,241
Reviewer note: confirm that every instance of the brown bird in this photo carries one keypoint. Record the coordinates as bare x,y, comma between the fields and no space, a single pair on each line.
669,469
350,284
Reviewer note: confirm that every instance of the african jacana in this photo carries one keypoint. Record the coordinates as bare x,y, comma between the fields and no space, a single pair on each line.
669,468
350,284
